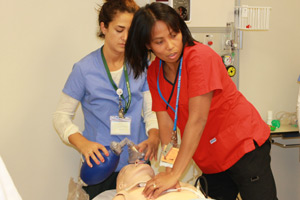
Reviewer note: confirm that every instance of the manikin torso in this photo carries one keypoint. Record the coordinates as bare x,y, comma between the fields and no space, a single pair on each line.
132,179
136,194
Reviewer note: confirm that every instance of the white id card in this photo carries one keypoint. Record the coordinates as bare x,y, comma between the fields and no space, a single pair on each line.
120,126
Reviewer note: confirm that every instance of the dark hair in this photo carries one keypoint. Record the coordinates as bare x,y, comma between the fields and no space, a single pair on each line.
110,8
139,35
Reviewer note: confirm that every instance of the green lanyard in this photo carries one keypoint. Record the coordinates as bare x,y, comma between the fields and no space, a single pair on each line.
127,103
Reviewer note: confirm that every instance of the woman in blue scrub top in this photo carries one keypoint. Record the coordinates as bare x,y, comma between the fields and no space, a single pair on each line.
106,88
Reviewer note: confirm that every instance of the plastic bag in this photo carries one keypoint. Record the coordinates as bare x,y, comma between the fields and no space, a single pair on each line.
76,192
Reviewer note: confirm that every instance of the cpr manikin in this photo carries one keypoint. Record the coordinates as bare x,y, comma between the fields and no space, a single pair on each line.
132,180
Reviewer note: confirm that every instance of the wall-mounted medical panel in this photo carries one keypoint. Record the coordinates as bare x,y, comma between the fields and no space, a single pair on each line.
252,18
201,13
212,13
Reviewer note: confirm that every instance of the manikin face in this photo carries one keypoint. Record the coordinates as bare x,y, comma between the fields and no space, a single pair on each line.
117,31
165,43
132,174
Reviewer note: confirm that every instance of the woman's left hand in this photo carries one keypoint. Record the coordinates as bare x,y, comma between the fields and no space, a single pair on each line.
150,145
161,182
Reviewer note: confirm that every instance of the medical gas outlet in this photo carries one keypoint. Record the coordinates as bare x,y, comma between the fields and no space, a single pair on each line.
208,40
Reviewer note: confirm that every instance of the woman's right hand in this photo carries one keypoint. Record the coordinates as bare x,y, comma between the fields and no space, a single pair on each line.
88,148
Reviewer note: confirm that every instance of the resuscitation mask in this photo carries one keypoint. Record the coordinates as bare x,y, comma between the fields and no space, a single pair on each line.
98,173
134,154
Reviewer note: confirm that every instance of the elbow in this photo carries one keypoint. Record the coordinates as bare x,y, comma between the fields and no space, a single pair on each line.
202,120
199,122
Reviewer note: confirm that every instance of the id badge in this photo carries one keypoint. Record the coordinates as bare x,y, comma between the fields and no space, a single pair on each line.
120,126
168,156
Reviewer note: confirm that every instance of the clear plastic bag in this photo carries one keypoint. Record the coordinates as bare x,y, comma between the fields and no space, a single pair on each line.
76,192
287,118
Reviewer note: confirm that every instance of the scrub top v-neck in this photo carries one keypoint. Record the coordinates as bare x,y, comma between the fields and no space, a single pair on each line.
89,84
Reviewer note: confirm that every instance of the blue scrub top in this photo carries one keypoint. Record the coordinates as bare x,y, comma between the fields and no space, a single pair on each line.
89,84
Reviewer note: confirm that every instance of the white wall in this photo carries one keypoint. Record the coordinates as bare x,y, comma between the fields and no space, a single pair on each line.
206,14
269,68
40,41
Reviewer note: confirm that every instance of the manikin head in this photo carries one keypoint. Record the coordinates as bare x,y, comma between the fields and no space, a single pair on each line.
132,174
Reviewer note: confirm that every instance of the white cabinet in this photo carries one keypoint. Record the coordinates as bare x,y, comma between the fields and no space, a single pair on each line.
211,13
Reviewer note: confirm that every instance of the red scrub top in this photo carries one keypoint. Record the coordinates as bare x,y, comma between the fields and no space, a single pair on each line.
233,122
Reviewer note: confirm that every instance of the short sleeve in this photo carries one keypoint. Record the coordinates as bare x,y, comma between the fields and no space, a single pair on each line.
75,86
205,70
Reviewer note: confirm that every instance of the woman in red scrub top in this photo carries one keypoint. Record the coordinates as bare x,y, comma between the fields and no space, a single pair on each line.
191,90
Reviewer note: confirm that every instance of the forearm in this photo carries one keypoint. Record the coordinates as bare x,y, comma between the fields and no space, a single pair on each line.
198,114
153,133
189,143
77,140
150,118
165,124
62,117
165,138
